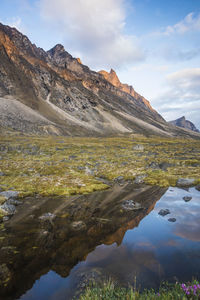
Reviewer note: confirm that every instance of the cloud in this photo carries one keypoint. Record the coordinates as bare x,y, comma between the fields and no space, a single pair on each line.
95,29
190,23
182,96
174,54
15,22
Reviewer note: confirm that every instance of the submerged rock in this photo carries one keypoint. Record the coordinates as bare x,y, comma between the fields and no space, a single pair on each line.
131,205
172,220
187,198
47,216
182,182
78,225
164,212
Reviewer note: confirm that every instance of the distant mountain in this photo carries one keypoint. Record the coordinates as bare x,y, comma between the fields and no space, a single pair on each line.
50,92
183,123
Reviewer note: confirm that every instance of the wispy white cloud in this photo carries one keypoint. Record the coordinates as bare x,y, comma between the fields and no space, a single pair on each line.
15,22
182,96
190,23
94,28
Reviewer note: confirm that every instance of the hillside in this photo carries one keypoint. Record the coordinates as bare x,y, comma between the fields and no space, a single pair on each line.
53,93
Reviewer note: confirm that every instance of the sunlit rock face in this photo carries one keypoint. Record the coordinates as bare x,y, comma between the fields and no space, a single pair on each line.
50,92
113,79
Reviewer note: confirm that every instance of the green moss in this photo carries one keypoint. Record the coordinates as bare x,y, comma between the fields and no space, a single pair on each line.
44,166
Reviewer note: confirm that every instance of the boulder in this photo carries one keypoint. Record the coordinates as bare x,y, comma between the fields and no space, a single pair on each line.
184,182
9,194
131,205
198,187
138,147
164,212
140,179
8,209
187,198
172,220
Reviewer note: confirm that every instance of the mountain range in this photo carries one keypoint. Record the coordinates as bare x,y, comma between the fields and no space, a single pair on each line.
50,92
183,123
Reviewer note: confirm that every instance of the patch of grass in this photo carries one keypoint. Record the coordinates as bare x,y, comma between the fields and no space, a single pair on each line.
109,291
60,166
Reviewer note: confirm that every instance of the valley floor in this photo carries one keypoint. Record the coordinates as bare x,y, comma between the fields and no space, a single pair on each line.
60,166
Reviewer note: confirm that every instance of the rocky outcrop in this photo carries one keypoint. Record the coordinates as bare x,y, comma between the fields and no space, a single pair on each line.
182,122
113,79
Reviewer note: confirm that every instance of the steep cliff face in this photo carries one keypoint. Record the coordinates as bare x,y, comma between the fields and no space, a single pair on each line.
57,94
113,79
182,122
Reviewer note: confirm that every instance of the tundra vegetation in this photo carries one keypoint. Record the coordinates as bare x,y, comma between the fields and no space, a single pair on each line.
109,291
57,166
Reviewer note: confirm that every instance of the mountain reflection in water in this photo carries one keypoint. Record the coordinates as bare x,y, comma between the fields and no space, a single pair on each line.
54,259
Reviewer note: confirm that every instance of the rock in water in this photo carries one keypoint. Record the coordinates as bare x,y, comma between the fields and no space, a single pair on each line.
164,212
184,182
187,198
172,220
131,205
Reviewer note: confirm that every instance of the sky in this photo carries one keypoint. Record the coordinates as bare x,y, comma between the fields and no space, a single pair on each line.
153,45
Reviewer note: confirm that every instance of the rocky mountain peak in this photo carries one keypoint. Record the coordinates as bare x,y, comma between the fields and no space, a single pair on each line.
57,50
182,122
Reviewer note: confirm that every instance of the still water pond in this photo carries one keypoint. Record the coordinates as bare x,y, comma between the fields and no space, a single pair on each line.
113,243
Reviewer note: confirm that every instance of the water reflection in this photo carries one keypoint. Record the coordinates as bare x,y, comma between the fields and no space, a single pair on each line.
57,260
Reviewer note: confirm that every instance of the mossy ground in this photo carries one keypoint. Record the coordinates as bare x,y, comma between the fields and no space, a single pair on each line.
109,291
66,166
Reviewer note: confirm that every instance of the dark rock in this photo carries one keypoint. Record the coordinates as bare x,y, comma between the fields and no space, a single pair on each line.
164,212
187,198
80,168
154,165
165,165
182,182
2,174
198,187
140,179
119,179
172,220
131,205
14,202
5,273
